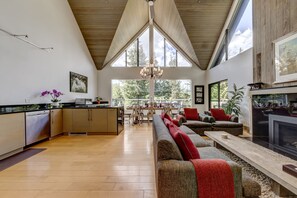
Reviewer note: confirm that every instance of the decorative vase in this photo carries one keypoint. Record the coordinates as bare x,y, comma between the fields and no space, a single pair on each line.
55,104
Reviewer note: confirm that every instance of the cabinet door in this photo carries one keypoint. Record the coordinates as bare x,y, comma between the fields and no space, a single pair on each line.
112,120
99,120
67,120
56,122
12,132
81,120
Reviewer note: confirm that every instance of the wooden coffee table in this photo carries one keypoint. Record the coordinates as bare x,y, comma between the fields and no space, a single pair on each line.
268,162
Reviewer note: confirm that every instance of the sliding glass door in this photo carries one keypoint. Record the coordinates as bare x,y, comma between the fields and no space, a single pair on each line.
218,94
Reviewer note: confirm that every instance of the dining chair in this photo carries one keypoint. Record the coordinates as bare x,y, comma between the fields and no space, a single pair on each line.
137,114
150,113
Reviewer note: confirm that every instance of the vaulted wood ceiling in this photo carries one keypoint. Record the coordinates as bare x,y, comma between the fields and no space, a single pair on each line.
107,25
203,20
98,21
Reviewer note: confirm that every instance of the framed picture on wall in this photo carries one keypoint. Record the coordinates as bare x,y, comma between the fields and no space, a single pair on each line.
199,94
285,53
78,83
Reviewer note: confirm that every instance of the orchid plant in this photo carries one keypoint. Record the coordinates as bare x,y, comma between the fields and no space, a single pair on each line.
54,94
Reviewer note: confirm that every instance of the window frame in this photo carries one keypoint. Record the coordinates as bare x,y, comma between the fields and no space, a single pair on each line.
229,32
165,41
219,92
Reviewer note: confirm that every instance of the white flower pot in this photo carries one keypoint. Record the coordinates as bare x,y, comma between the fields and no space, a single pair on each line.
55,104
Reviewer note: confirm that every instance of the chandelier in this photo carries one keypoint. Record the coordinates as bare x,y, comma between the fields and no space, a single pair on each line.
151,72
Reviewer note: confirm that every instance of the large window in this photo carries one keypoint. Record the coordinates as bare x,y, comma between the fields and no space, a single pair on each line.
137,54
239,35
130,92
218,94
176,92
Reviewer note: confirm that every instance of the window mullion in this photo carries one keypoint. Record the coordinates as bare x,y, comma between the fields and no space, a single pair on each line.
164,52
137,52
226,43
126,58
176,58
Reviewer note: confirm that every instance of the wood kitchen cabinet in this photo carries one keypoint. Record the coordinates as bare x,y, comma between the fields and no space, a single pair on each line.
67,120
81,120
112,126
56,122
12,134
98,121
91,120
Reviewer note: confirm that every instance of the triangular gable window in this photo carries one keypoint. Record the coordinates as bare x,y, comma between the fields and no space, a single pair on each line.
137,54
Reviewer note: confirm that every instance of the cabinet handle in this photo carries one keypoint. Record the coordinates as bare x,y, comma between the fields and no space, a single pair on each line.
89,115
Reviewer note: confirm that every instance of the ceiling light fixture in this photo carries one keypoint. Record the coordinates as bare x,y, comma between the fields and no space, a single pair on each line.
151,71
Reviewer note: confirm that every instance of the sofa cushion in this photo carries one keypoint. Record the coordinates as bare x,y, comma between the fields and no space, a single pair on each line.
212,153
165,146
198,141
191,113
227,124
187,130
184,143
219,114
197,124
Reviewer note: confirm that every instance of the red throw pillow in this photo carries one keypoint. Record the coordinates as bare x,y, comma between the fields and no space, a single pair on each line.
167,122
191,113
167,116
176,122
184,143
219,114
162,116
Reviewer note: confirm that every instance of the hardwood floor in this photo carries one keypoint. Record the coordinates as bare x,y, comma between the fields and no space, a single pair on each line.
87,167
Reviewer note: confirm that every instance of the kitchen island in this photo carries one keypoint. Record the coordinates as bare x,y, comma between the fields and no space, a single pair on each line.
104,120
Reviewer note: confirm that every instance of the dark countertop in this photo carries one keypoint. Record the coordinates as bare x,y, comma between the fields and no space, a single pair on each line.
42,107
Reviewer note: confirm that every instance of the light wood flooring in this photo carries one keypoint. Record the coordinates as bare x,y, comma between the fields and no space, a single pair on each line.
86,167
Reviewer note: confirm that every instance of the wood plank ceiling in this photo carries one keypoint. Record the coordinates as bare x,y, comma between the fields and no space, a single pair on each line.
133,19
169,20
195,27
203,20
98,21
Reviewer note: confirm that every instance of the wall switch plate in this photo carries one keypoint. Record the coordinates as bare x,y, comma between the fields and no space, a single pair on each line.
27,100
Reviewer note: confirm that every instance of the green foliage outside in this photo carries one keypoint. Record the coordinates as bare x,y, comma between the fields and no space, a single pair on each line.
214,91
129,92
132,55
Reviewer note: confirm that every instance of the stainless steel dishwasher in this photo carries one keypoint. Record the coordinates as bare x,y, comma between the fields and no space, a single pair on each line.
37,126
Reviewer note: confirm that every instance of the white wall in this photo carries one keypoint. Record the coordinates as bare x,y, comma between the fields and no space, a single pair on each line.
105,76
238,70
25,70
